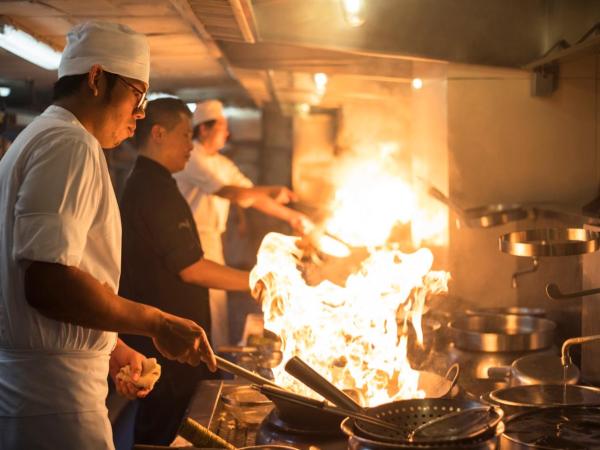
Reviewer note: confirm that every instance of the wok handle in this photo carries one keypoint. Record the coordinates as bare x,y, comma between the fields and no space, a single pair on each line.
311,378
234,369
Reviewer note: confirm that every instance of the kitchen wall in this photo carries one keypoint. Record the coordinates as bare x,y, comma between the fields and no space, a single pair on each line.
506,145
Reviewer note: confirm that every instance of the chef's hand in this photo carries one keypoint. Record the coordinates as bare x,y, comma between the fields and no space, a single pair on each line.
282,195
299,222
122,356
185,341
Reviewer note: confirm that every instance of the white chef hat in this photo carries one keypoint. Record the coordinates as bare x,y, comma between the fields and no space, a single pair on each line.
207,110
117,48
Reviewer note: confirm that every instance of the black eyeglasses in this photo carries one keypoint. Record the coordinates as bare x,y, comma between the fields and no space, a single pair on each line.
141,106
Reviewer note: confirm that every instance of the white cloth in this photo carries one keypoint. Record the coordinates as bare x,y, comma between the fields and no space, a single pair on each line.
151,371
56,205
116,47
207,110
203,175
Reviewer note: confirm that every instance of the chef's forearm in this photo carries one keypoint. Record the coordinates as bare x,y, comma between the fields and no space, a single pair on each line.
70,295
216,276
271,208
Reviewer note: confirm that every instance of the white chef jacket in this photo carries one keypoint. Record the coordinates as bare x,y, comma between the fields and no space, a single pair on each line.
57,205
203,175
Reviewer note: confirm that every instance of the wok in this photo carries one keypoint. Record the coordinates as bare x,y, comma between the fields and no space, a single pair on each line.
391,412
296,417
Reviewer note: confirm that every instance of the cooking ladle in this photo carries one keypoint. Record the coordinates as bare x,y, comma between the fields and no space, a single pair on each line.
554,292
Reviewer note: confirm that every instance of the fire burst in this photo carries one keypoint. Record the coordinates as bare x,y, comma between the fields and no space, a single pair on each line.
351,334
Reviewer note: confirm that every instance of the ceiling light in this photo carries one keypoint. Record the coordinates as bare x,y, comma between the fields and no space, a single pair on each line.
417,83
4,91
354,12
320,81
27,47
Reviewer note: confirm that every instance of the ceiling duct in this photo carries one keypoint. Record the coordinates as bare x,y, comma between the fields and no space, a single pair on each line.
227,20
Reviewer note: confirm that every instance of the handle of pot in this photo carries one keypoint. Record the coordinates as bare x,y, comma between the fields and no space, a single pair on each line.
452,376
311,378
500,373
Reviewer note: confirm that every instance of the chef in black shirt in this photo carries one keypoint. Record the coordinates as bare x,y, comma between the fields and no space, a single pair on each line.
162,259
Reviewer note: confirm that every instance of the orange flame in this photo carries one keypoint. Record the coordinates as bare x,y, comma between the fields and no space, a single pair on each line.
350,334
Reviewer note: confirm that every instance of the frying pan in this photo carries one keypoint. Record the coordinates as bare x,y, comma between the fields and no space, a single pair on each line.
394,412
484,216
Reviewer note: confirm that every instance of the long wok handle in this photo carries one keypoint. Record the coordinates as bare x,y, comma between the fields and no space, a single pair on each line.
234,369
322,405
307,375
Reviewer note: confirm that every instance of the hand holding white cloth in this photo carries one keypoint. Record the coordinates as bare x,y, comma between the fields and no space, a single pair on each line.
150,374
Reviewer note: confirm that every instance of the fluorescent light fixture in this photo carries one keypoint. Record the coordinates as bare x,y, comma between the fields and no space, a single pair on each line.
417,83
354,12
4,91
27,47
191,106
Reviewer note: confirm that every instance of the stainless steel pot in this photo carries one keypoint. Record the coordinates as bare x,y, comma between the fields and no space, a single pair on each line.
535,369
501,333
518,399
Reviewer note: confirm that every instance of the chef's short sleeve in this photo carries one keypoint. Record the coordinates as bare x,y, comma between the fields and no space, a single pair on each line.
57,201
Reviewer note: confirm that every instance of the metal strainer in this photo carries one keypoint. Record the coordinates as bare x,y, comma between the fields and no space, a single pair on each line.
447,420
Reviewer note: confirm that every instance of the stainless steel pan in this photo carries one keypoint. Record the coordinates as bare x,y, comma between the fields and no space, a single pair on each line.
485,216
501,333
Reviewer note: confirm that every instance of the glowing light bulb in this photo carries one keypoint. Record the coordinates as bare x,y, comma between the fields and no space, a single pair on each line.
354,12
320,81
417,83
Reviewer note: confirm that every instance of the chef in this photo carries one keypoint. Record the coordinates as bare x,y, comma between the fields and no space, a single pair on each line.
60,254
209,182
163,263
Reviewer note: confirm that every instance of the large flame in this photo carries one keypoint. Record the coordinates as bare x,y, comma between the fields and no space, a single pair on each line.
351,334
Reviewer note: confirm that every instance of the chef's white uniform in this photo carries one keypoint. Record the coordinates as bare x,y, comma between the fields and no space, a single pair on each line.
203,175
57,205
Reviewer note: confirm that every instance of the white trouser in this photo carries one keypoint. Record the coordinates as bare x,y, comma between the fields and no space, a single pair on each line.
213,250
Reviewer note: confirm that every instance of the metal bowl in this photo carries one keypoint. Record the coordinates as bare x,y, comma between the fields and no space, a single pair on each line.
501,333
